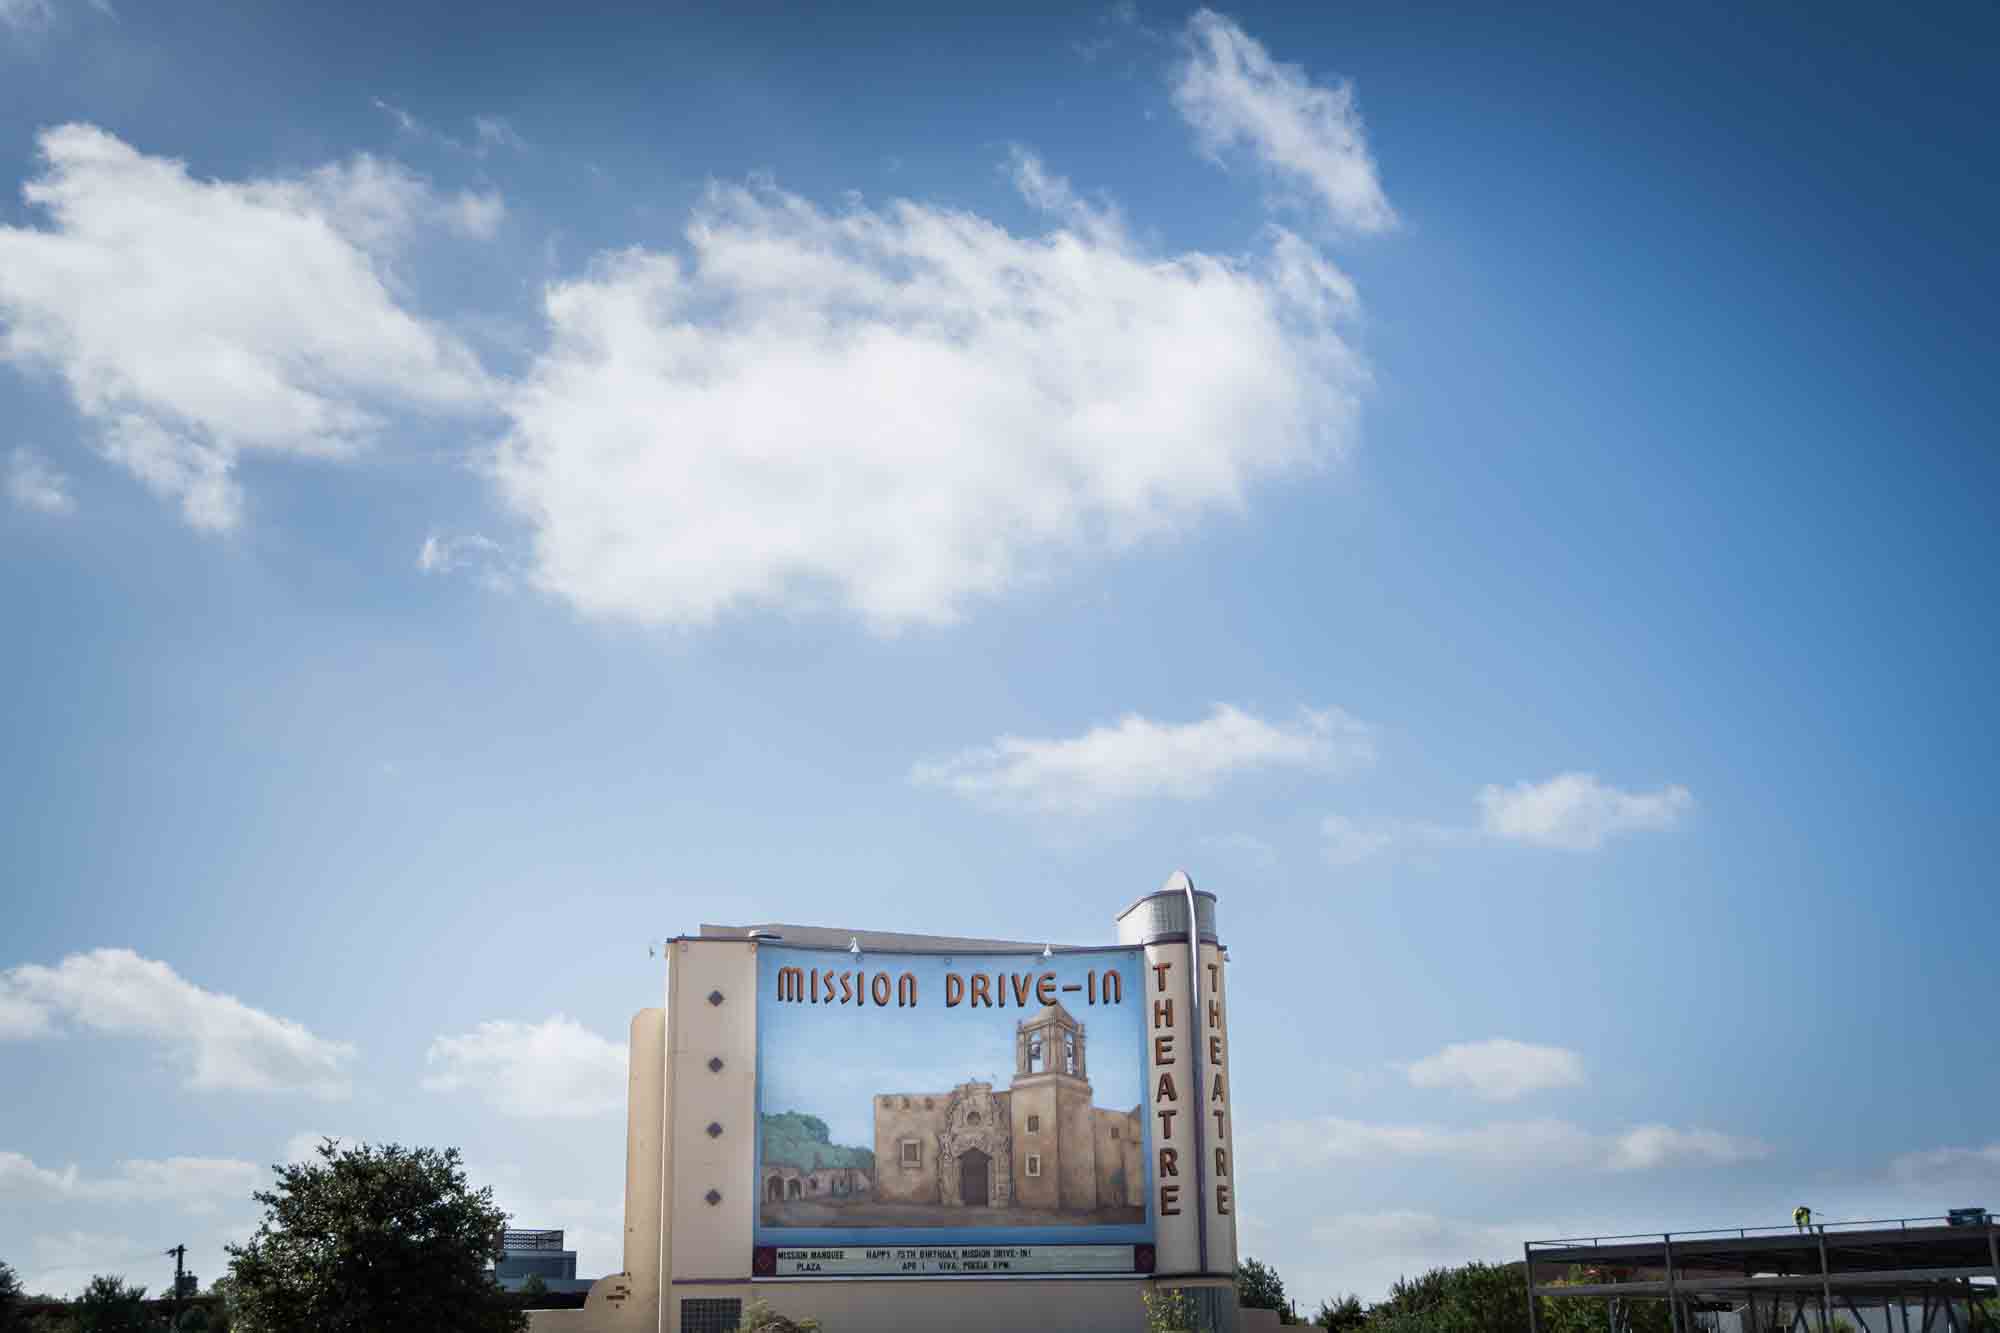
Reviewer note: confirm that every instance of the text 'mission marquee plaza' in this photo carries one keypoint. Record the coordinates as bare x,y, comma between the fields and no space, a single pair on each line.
901,1131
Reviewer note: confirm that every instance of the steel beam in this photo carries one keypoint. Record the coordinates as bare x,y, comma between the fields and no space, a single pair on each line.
1729,1285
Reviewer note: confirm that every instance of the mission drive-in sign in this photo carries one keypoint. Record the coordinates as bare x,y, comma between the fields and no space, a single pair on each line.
971,1115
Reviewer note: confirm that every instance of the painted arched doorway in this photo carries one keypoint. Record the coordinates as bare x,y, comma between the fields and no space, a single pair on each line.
974,1172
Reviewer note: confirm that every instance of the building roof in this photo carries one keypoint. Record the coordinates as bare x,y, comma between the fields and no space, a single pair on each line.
880,941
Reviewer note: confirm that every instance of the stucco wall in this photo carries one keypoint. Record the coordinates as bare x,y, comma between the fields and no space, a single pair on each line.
1117,1135
1046,1306
1078,1168
1038,1100
894,1122
711,1239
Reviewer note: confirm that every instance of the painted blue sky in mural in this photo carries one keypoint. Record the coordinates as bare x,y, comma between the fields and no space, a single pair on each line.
1503,496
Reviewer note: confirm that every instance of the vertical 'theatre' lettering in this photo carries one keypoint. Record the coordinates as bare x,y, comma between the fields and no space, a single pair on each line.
1218,1095
1165,1095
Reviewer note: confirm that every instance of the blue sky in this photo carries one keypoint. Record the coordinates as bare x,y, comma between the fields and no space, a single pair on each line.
1503,499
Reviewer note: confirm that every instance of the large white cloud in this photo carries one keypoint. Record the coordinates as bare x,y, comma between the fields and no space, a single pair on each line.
25,13
1949,1166
1576,812
1502,1144
1138,757
221,1042
1307,135
1572,812
555,1069
196,321
897,411
1365,1252
196,1183
1500,1069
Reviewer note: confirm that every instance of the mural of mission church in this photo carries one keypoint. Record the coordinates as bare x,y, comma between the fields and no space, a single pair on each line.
1034,1153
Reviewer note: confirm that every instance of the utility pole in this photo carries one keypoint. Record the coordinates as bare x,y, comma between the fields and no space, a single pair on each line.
180,1265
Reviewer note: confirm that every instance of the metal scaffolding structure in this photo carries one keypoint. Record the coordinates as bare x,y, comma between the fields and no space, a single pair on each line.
1775,1276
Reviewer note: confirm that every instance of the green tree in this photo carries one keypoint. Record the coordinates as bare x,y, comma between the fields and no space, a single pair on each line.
1588,1314
1169,1310
761,1318
222,1314
1258,1287
109,1306
1345,1314
11,1318
1473,1298
373,1238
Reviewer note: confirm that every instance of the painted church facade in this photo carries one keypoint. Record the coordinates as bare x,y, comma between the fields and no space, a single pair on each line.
1038,1144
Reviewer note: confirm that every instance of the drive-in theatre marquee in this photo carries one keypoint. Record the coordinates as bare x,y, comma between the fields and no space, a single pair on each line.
983,1114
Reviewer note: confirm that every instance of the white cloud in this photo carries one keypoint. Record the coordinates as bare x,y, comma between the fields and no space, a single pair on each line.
1648,1146
305,1147
1512,1144
441,554
1232,92
24,14
475,214
223,1043
1500,1070
1573,812
1949,1166
20,1016
405,122
196,321
63,1261
196,1183
33,484
555,1069
897,412
1349,840
1365,1253
479,557
494,132
1576,812
1138,758
489,132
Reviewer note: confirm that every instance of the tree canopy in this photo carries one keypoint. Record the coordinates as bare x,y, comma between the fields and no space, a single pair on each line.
1484,1298
11,1317
1258,1287
793,1138
1345,1314
108,1305
371,1238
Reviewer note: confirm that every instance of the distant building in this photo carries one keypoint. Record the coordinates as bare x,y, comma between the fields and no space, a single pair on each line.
525,1254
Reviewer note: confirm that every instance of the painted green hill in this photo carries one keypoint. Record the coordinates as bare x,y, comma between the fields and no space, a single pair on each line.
793,1138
